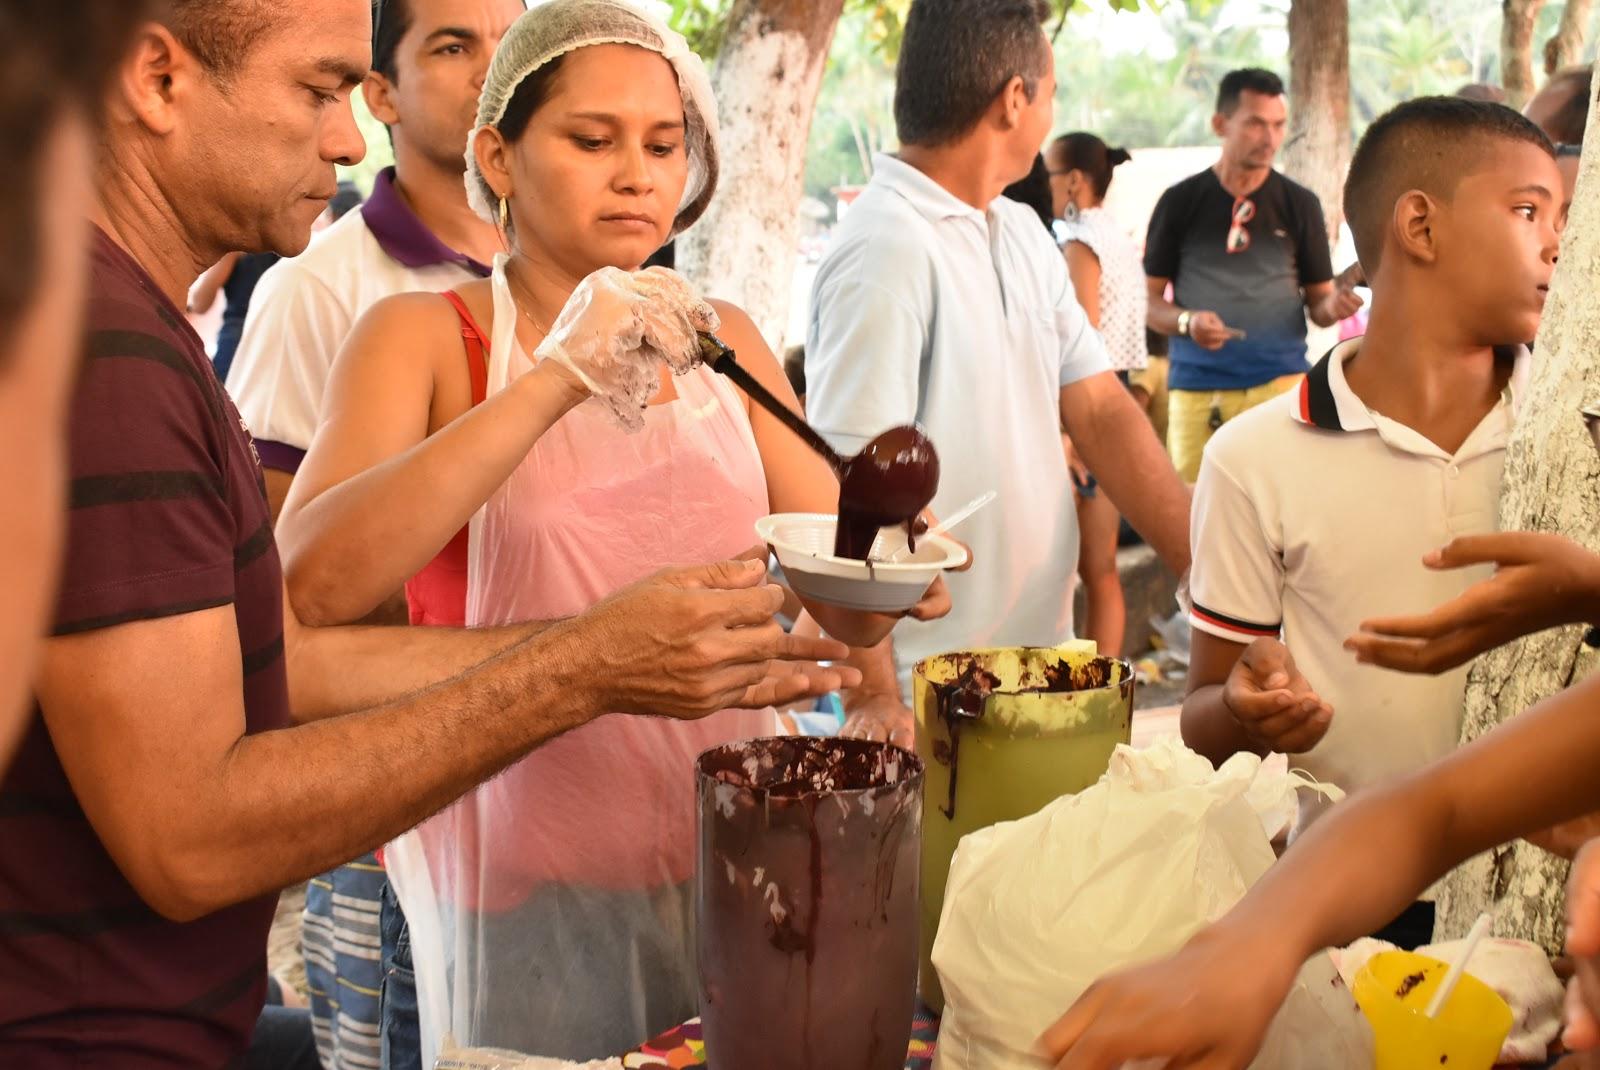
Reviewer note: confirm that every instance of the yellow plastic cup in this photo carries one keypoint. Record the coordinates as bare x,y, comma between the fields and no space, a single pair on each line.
1393,990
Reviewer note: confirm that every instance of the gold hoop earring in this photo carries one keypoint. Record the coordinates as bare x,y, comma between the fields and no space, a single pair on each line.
505,214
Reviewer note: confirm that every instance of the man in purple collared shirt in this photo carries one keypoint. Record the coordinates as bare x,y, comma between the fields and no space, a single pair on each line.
415,232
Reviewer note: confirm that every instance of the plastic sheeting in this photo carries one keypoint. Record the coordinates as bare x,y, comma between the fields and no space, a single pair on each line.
1121,873
550,908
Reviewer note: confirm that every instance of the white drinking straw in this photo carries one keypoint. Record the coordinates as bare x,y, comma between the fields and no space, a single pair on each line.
1480,929
955,518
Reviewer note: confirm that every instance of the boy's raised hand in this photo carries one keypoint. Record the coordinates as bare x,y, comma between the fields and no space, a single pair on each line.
1208,1006
1583,944
1540,581
1273,702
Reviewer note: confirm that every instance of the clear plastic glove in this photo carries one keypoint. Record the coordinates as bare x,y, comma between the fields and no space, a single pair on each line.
673,315
618,327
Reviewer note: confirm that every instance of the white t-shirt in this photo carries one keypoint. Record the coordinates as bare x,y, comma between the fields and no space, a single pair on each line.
931,311
1124,296
305,307
1312,514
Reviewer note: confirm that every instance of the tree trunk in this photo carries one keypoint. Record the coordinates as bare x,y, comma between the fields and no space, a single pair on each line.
1565,49
1318,153
767,78
1552,483
1516,49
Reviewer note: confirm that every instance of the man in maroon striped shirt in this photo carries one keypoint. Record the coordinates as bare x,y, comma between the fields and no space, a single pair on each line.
193,747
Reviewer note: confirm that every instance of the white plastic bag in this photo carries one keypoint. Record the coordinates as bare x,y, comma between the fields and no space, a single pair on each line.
1116,875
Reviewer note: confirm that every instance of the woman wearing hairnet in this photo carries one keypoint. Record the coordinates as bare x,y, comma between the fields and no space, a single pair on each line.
550,910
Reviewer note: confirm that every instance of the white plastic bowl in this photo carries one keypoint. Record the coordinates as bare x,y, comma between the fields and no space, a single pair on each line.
804,545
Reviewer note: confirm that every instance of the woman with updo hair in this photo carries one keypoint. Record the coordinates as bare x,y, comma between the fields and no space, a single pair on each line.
1109,279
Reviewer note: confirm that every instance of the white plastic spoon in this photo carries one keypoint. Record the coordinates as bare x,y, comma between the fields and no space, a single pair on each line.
948,522
1480,929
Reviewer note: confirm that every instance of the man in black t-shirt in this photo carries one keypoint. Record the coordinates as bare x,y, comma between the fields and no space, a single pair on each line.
1246,252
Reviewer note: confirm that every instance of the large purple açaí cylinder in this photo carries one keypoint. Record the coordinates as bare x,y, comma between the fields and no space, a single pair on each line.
806,901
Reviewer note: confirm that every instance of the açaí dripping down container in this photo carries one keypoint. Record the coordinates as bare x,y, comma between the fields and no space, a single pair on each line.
1003,732
806,903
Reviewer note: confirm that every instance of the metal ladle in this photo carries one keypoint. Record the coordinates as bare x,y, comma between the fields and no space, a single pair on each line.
889,482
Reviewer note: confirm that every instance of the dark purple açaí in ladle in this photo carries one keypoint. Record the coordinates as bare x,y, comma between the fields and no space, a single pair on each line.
889,483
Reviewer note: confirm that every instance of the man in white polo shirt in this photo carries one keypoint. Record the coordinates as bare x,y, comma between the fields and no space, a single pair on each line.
416,232
941,302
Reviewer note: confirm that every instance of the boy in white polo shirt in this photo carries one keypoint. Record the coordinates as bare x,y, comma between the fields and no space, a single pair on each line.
1312,511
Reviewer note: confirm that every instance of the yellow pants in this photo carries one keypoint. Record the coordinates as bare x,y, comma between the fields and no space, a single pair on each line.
1153,380
1190,416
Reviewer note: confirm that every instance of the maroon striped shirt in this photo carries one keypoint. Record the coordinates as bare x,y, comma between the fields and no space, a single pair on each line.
168,516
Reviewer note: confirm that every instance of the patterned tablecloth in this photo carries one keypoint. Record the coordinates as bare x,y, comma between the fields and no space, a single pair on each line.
683,1047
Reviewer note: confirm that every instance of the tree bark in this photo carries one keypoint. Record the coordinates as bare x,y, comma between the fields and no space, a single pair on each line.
1318,152
767,78
1552,483
1565,49
1516,49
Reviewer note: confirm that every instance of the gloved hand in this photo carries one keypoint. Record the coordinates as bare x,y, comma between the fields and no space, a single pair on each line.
617,327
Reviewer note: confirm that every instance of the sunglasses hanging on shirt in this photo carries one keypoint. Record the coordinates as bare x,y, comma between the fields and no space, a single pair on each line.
1244,210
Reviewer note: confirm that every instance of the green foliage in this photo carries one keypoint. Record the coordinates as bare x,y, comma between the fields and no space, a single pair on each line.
704,22
1157,94
379,152
855,108
1162,96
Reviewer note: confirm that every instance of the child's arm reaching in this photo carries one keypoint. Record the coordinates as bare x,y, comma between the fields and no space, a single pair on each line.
1583,944
1352,872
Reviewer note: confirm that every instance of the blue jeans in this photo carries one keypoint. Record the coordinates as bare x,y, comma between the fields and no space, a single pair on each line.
283,1038
397,1003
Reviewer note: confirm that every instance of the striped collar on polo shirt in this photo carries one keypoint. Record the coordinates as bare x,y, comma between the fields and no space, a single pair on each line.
1325,399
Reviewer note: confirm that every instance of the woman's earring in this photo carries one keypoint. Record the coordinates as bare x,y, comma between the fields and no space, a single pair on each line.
505,214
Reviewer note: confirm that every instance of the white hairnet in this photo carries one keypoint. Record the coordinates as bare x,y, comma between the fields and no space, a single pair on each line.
551,30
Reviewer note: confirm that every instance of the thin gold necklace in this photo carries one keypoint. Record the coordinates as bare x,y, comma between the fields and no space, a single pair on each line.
544,332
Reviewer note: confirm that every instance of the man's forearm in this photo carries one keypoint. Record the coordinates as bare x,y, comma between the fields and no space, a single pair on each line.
294,803
334,671
1322,312
1528,774
878,676
1392,836
1122,451
1162,316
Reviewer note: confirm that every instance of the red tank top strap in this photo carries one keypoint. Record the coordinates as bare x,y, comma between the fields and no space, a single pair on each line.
477,344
